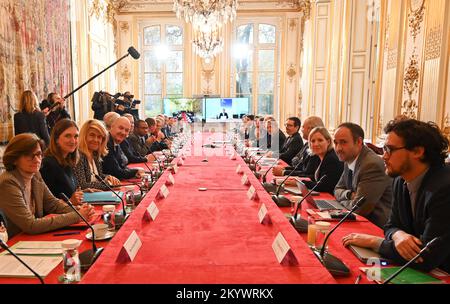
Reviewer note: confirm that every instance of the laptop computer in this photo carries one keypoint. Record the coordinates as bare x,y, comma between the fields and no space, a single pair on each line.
364,254
322,205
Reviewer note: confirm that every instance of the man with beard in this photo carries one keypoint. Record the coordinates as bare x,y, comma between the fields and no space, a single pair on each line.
414,153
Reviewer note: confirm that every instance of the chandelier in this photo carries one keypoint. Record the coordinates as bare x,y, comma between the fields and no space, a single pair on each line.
207,18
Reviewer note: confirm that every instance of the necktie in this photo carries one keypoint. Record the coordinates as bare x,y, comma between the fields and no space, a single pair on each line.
143,140
350,180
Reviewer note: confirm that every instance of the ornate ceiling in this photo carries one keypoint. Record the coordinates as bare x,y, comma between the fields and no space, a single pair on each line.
138,6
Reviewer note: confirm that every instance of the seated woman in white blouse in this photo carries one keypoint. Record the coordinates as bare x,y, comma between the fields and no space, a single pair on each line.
92,147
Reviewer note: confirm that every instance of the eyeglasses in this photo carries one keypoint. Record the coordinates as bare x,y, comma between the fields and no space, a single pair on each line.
31,156
390,149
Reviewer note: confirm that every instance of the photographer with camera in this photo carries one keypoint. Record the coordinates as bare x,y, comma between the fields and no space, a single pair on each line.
127,105
102,103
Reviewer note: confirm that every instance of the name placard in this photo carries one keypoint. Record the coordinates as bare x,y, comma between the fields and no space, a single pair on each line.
175,169
244,179
283,251
251,193
263,215
151,212
180,162
238,169
163,191
170,179
233,156
130,248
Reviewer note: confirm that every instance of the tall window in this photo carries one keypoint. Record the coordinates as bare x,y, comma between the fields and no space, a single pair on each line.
163,65
255,65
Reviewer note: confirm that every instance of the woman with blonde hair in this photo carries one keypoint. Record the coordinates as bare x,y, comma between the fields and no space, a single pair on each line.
30,119
26,199
92,149
321,145
60,159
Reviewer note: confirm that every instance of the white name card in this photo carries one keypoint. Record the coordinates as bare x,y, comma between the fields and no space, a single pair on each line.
181,162
233,156
163,191
171,179
263,215
175,169
151,212
238,169
251,193
283,251
244,179
130,248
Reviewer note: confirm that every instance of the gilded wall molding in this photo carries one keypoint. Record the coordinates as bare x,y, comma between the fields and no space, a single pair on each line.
415,16
125,74
411,85
392,59
291,72
124,26
433,43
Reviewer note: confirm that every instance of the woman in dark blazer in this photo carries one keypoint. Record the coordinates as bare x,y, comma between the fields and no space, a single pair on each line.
29,119
321,144
26,199
92,149
60,159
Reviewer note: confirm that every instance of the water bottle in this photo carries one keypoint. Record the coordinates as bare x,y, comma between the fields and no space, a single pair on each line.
71,260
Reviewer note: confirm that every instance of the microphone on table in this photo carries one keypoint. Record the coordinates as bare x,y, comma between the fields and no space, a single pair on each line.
88,257
269,187
424,249
300,224
253,166
281,200
124,213
333,264
5,247
159,165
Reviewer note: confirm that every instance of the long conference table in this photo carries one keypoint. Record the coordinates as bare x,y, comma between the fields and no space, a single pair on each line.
211,236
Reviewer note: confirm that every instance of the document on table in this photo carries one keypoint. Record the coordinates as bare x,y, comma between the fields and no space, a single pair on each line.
36,248
11,267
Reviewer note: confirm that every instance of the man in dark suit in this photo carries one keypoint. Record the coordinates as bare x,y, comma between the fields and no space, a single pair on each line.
223,114
115,162
138,138
363,176
414,153
308,162
293,143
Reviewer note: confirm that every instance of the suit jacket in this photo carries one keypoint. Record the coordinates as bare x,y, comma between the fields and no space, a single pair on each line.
131,154
31,123
18,215
137,145
431,219
330,166
115,162
369,180
59,179
307,163
270,142
83,173
291,147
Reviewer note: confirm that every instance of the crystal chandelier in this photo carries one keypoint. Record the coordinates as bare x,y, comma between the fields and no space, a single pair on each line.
207,18
208,44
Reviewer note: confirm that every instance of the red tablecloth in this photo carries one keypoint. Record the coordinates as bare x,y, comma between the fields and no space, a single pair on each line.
208,236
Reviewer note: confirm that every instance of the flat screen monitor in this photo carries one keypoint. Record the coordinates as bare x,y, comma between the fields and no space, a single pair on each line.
174,106
234,107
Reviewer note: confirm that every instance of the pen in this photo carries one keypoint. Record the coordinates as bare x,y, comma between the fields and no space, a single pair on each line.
66,233
358,279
